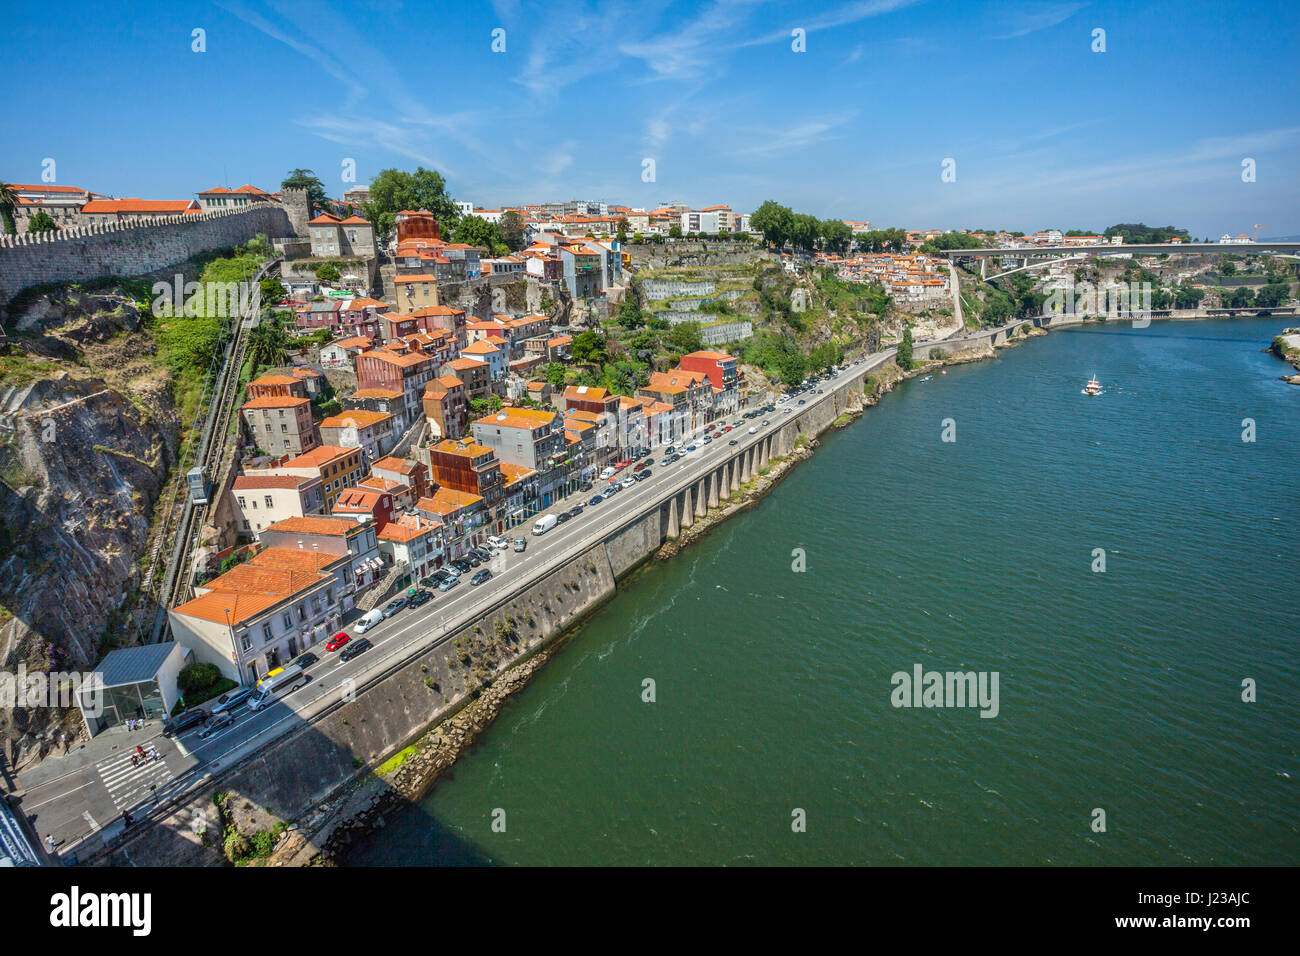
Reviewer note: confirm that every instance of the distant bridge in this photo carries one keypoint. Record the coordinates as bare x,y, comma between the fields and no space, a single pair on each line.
1025,253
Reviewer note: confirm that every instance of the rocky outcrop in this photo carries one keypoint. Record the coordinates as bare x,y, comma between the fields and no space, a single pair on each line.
1287,347
85,445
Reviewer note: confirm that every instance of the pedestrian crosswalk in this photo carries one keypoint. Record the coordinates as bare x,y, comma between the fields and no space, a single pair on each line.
130,785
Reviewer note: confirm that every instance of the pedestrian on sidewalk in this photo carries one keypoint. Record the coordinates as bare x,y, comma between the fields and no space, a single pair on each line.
127,819
49,841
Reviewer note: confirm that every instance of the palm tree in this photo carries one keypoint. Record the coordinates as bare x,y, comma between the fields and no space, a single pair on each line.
8,203
266,345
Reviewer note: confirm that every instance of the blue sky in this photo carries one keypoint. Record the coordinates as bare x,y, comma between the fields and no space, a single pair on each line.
1044,132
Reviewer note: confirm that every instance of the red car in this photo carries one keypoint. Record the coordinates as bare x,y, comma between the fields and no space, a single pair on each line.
337,641
639,466
727,429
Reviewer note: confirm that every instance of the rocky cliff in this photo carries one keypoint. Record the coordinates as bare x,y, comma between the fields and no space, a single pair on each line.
87,435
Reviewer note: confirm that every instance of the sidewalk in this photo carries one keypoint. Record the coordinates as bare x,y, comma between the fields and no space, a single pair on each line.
88,753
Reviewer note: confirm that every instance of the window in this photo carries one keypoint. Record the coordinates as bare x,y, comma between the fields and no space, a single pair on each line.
241,502
302,612
288,621
245,643
269,502
267,633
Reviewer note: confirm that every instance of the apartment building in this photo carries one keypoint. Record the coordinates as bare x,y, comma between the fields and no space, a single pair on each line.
336,467
261,500
279,424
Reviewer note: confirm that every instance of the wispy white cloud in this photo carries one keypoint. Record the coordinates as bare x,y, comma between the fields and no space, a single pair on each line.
1038,16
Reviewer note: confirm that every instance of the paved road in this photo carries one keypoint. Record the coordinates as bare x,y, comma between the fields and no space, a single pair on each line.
64,801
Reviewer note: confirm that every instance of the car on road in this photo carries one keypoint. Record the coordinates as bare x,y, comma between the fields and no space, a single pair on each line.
480,554
801,401
726,428
472,559
480,577
670,450
574,512
544,524
642,476
628,482
448,583
219,722
304,660
231,699
691,448
707,439
393,606
419,599
186,720
585,486
733,442
639,466
497,542
563,516
337,641
593,502
611,491
430,582
520,545
766,422
357,647
606,473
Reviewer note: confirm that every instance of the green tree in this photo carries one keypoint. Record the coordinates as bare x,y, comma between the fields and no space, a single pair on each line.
475,231
685,337
327,272
629,316
589,348
42,221
8,203
273,291
1187,297
774,221
675,231
306,179
1272,295
835,235
394,190
268,345
904,356
555,373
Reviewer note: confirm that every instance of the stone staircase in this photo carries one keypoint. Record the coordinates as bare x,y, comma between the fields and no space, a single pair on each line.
384,589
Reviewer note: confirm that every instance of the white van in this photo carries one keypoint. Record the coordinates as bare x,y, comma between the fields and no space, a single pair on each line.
544,524
276,685
607,472
370,620
498,543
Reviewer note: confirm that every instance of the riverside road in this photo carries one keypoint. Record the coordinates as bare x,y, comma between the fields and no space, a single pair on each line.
86,798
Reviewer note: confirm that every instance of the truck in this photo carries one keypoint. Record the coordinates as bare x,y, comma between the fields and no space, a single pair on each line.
544,524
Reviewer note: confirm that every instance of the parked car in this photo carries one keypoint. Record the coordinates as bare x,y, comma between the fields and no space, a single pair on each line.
628,482
184,721
563,516
520,544
766,422
670,450
481,554
707,439
448,583
585,486
480,577
338,640
643,475
357,647
639,466
472,559
690,448
574,512
430,582
231,699
495,541
727,428
393,606
462,565
544,524
606,473
597,499
372,619
649,462
753,430
304,660
733,442
218,722
419,599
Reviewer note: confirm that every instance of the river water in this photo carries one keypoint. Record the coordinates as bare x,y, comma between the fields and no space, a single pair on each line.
1118,690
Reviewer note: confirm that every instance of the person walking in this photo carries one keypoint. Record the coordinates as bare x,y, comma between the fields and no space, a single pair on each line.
49,841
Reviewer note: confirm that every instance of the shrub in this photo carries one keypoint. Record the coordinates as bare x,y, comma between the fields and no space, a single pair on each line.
237,847
195,679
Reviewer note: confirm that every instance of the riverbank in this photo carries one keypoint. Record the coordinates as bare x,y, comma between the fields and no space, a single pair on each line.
1287,347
